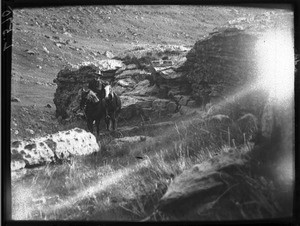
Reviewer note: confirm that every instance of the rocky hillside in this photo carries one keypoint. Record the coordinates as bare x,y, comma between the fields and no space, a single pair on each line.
164,79
224,150
47,39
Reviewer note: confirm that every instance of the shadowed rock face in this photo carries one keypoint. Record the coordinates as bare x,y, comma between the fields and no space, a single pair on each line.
221,63
61,145
69,82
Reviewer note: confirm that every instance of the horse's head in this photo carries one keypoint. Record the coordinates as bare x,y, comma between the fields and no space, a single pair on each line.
88,96
108,92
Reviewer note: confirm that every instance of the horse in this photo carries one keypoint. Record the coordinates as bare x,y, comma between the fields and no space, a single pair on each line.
94,108
112,104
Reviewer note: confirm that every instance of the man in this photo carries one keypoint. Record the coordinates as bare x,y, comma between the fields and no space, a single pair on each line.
96,85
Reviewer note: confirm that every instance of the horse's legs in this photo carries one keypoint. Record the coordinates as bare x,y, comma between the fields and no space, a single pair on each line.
114,121
98,126
107,121
90,125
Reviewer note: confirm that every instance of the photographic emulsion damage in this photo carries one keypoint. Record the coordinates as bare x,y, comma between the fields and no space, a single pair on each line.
152,113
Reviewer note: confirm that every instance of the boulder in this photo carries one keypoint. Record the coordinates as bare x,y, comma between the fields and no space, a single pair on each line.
200,185
135,106
222,62
61,145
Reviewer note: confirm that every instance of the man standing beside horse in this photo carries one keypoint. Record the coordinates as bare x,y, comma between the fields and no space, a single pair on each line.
109,104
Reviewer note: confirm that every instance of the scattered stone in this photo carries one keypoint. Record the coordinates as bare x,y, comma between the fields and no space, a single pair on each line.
45,49
30,52
108,54
48,106
15,99
30,131
67,34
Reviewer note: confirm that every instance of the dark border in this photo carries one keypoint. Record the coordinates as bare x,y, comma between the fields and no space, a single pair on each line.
6,105
6,51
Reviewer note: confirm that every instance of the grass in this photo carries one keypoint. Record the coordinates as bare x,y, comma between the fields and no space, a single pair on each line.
118,186
106,187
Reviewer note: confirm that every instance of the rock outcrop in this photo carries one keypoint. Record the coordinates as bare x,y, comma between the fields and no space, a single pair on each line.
217,189
51,148
221,65
71,79
146,89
